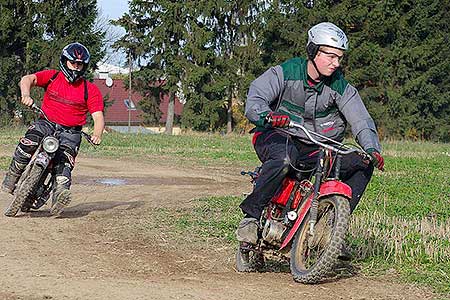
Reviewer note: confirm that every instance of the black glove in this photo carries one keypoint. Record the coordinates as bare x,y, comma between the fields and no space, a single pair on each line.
277,119
377,159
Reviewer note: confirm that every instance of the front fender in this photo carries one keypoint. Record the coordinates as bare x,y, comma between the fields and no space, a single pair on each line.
335,187
330,187
43,159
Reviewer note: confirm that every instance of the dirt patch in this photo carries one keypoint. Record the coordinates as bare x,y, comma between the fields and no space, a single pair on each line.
96,251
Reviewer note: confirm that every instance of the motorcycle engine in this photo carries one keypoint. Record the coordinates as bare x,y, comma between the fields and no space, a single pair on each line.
273,231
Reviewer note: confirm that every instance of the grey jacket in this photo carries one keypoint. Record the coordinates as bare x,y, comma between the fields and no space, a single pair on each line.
325,108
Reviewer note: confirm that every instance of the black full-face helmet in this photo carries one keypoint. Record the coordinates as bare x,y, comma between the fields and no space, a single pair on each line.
74,52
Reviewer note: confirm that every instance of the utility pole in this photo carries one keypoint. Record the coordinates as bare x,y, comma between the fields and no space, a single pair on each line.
129,90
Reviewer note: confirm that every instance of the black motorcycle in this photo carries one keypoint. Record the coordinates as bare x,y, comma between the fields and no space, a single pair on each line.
36,183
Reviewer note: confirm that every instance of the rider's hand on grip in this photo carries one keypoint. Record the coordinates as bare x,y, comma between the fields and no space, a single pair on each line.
277,119
377,159
96,140
26,100
89,138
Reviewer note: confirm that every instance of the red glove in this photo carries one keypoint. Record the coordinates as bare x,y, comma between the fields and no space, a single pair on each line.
377,159
277,119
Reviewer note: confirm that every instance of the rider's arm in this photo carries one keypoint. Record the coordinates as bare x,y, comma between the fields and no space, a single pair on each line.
99,126
263,91
26,83
356,114
96,106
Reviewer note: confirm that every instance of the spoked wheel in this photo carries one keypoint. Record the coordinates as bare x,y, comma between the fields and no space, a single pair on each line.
313,259
24,189
249,260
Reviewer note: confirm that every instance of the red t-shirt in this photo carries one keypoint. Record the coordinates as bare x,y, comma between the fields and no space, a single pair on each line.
64,102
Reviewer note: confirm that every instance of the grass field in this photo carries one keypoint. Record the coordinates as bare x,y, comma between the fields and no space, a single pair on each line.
401,226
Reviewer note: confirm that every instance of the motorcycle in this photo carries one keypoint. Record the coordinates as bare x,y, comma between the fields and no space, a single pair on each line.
35,186
306,221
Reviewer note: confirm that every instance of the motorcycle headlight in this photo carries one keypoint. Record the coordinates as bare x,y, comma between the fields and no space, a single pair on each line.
50,144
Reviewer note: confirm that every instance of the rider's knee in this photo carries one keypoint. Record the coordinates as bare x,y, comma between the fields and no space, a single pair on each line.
65,161
286,166
26,147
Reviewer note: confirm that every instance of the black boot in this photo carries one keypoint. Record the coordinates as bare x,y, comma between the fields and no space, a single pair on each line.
12,177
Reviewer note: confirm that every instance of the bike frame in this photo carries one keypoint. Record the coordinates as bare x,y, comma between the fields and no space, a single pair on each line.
322,187
330,187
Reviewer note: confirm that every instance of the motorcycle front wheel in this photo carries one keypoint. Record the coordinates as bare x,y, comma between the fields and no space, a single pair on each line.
249,261
314,258
24,189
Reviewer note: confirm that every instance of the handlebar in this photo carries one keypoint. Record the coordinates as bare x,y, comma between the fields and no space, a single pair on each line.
37,109
342,149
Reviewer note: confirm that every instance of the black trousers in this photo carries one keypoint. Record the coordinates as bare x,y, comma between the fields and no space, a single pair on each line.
69,139
278,152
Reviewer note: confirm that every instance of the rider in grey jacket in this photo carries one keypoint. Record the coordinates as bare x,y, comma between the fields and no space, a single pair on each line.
315,94
324,108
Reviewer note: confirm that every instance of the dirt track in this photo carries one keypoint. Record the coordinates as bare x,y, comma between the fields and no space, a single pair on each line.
93,252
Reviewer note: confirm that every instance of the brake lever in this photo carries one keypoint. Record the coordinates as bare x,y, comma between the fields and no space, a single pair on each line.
36,108
88,138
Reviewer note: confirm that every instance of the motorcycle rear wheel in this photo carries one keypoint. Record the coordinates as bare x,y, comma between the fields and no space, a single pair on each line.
24,190
314,259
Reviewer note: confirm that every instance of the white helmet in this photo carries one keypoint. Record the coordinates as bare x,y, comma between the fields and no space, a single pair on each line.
325,34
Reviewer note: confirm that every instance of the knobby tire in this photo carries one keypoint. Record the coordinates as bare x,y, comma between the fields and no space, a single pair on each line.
329,237
24,190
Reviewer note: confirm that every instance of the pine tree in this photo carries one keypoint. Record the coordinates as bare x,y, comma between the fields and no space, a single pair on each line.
227,32
160,29
17,25
32,37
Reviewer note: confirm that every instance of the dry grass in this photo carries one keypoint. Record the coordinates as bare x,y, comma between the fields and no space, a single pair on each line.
399,240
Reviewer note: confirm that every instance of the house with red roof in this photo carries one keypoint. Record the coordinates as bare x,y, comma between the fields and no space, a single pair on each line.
117,104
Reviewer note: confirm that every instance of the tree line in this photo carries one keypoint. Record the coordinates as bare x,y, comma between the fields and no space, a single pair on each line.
208,52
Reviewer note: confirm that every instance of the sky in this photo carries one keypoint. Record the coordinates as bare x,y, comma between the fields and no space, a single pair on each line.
113,10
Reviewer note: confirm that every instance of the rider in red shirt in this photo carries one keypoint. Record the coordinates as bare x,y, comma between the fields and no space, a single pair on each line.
67,99
64,102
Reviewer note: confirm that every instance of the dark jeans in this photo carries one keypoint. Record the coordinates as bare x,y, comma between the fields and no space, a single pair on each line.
69,139
277,151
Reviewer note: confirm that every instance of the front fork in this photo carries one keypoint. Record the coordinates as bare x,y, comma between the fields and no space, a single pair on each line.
315,202
321,167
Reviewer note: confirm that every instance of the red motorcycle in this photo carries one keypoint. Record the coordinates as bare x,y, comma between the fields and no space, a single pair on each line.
307,219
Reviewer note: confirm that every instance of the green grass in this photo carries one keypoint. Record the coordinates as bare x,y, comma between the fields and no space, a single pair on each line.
212,217
205,148
401,224
402,221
